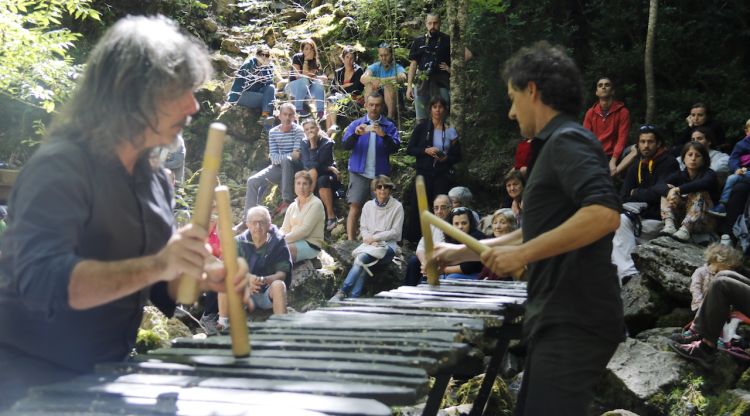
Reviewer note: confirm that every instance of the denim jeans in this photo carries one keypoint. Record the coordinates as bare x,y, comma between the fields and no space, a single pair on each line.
727,191
302,89
355,280
262,99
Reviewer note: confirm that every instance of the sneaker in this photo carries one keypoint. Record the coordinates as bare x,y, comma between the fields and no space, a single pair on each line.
208,322
281,209
682,235
685,337
267,121
698,352
668,229
331,224
719,210
338,297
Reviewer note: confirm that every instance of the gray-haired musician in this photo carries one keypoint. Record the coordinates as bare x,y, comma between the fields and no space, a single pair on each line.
90,235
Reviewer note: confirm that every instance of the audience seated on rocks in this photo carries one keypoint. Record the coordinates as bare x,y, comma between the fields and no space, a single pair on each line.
317,157
739,161
436,148
609,120
689,194
726,294
347,88
254,86
303,222
643,182
380,225
700,116
372,139
284,143
461,196
514,184
462,218
441,207
384,77
719,160
306,80
268,258
503,222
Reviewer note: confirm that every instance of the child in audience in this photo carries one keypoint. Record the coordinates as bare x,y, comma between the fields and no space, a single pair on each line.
739,161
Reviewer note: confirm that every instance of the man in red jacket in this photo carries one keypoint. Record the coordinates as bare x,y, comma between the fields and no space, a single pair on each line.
609,120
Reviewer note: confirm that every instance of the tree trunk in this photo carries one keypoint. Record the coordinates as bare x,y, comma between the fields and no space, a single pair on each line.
648,62
457,26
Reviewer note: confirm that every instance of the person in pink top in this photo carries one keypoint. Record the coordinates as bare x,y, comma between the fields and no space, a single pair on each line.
609,120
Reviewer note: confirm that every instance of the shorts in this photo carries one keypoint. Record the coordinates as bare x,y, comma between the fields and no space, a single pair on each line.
359,189
262,299
305,251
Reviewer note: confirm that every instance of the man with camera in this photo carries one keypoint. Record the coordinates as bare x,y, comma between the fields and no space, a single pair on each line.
372,139
431,55
384,77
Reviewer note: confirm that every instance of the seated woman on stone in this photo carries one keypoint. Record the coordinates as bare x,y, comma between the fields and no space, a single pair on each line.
348,88
316,151
304,219
306,79
687,195
380,226
503,222
253,86
463,219
514,183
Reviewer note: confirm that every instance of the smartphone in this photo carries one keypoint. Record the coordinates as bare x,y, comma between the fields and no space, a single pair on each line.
369,127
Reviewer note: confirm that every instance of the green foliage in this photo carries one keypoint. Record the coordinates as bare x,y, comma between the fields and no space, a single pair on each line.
488,6
34,44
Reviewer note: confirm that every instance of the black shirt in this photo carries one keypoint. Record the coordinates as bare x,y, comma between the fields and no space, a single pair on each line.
429,52
357,87
579,288
299,59
70,205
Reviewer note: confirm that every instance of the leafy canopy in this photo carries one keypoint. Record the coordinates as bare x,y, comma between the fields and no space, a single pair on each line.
35,67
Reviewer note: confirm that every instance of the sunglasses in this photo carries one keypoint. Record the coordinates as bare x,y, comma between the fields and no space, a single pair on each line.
381,186
384,45
647,128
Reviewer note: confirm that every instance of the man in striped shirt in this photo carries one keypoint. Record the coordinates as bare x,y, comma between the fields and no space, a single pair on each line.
284,151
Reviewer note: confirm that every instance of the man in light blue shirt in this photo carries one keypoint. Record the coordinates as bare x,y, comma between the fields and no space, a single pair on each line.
385,76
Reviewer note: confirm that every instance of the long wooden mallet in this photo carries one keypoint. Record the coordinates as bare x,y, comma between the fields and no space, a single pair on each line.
187,292
237,318
430,267
472,243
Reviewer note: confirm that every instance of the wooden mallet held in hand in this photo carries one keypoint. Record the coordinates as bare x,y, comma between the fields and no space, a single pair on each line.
430,267
472,243
187,292
237,318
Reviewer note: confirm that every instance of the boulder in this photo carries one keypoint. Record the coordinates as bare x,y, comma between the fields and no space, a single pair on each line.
293,15
638,373
678,317
732,402
669,263
310,287
209,25
225,65
619,412
231,46
642,304
658,337
385,277
323,9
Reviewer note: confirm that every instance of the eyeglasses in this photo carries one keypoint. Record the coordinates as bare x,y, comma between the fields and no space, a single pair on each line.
441,207
263,54
382,186
647,128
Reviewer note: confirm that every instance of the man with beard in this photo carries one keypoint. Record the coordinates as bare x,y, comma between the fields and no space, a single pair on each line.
641,187
430,55
609,120
90,237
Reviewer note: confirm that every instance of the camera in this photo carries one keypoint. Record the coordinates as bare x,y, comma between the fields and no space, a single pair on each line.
440,154
429,67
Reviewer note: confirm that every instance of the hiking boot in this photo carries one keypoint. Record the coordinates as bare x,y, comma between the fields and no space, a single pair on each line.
719,210
669,228
685,337
696,351
683,234
338,297
331,224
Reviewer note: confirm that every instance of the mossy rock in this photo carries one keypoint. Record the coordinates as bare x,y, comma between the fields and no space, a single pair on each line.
730,403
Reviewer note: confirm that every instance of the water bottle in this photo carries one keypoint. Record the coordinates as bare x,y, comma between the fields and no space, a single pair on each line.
726,240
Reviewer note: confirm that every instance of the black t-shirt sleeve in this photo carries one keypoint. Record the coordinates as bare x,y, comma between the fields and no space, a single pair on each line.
582,171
